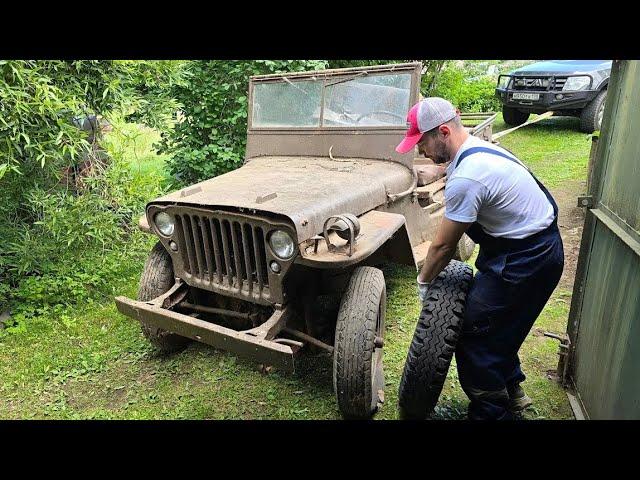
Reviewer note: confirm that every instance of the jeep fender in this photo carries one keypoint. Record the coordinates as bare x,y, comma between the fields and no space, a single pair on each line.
380,232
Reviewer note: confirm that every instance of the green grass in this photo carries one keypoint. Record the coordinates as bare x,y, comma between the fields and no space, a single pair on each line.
553,148
92,362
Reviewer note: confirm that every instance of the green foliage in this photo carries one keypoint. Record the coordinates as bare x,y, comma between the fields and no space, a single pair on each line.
66,206
40,99
469,94
78,245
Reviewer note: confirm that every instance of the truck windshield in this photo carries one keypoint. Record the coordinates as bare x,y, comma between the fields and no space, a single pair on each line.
380,100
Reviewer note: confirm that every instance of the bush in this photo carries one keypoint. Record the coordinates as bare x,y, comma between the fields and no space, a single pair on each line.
469,95
80,245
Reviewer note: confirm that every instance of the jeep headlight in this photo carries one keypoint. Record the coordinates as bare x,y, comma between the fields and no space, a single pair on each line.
164,223
576,83
282,244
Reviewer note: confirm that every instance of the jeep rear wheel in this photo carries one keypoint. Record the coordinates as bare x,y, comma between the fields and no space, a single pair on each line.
434,342
513,116
591,116
358,377
157,278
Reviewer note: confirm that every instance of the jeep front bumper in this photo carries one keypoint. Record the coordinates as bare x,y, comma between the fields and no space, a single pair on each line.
258,344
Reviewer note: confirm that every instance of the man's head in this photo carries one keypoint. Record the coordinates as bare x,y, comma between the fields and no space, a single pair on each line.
435,127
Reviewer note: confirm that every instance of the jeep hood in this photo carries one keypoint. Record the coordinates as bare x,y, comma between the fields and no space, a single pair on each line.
306,190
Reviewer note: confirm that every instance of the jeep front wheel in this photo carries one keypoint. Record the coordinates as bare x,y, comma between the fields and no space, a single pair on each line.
513,116
157,278
358,377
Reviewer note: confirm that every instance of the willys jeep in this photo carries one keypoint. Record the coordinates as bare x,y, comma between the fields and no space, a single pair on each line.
281,254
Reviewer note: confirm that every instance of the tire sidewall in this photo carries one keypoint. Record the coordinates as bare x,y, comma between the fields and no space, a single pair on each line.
355,371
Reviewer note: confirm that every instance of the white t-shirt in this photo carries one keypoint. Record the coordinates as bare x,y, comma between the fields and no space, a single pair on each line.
499,194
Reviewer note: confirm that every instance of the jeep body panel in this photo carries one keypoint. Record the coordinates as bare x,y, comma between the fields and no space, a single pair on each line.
305,190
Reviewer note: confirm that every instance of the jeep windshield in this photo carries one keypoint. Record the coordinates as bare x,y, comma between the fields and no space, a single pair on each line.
349,101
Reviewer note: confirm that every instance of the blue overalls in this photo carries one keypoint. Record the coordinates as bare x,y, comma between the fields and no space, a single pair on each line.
514,281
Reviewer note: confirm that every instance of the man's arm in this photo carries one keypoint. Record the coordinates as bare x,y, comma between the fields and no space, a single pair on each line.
442,249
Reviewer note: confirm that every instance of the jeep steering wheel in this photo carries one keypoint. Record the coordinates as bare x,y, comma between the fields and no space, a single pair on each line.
384,112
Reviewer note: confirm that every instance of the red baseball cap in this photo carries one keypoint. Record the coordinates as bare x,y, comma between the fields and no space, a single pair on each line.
413,135
424,116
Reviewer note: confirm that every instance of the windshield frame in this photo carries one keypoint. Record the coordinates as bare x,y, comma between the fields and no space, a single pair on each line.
329,77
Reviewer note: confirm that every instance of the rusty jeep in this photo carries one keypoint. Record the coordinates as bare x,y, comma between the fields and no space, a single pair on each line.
281,255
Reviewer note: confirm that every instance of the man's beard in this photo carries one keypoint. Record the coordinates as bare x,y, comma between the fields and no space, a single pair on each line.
440,155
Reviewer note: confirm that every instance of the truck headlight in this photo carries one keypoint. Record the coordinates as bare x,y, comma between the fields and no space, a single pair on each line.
576,83
282,244
164,223
503,81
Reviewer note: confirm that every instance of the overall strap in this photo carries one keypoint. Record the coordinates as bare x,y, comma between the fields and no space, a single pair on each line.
491,151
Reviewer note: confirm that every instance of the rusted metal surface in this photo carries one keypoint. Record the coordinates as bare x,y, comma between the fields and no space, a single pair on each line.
247,345
308,189
218,311
308,339
604,321
225,252
375,229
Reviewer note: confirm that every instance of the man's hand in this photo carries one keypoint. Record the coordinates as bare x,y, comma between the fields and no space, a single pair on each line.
442,249
423,290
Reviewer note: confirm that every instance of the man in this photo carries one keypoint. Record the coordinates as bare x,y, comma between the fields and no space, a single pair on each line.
490,195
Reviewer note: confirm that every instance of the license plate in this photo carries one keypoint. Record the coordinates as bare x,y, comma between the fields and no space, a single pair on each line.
526,96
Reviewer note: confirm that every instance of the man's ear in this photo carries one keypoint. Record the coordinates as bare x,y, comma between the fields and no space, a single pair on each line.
444,130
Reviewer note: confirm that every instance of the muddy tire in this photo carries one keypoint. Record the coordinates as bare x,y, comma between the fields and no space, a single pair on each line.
157,278
591,115
464,249
434,342
358,376
513,116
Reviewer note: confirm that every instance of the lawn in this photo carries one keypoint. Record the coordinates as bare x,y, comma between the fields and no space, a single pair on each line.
92,362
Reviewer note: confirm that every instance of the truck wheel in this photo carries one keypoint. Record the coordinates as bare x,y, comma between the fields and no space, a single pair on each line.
464,249
434,342
358,377
157,278
591,116
513,116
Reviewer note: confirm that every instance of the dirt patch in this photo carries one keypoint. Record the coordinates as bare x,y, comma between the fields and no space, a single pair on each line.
570,222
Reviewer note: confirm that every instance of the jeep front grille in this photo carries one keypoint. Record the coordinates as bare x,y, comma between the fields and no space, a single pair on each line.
221,252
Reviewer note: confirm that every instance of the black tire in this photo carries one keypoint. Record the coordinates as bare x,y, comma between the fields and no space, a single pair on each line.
464,249
157,278
513,116
591,115
434,342
358,376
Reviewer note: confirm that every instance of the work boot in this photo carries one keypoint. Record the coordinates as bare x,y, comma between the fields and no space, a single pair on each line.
518,400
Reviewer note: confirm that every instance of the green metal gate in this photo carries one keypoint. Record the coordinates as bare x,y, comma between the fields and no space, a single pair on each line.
604,321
